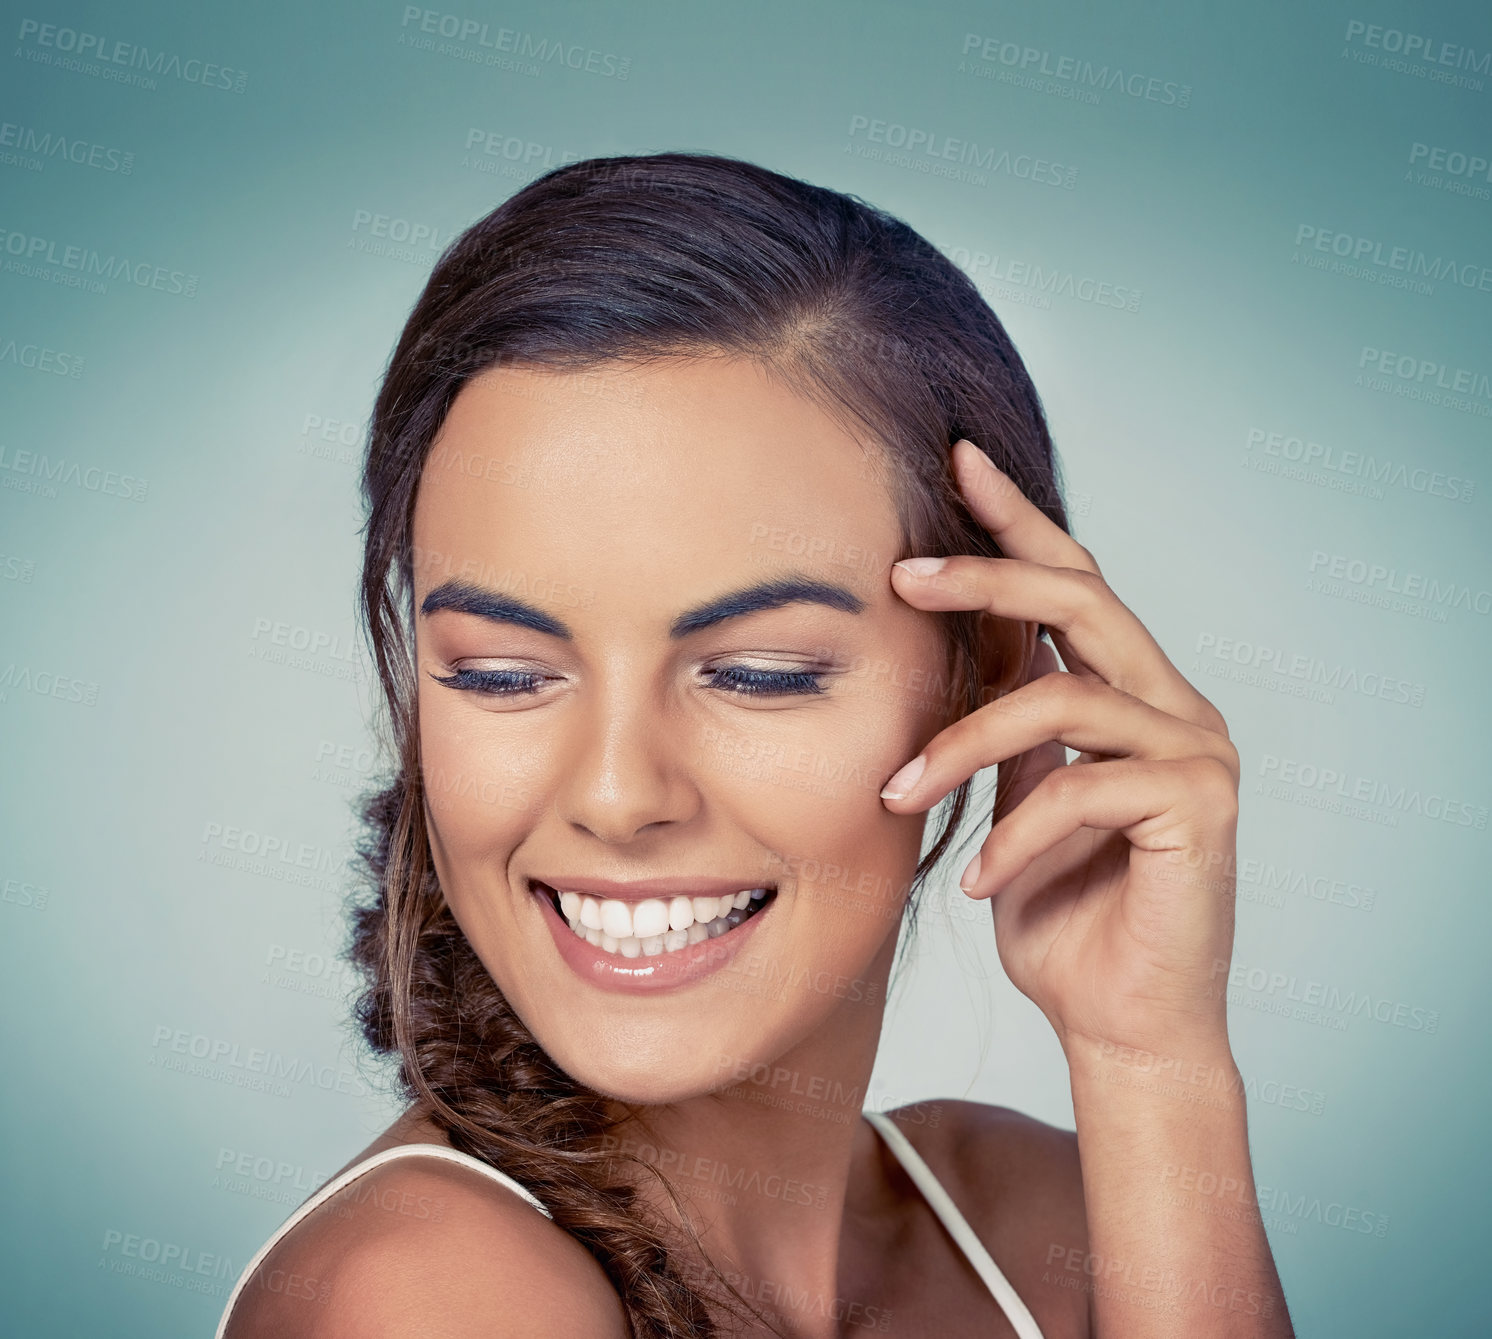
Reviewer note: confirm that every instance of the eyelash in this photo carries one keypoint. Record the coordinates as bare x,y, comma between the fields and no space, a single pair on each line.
751,682
494,683
745,682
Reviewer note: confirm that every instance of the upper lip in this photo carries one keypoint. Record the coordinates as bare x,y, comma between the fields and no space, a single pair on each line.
680,885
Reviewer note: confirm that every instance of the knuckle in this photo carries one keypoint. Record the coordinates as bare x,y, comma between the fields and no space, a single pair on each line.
1090,592
1214,779
1212,719
1024,704
1057,689
1086,559
1060,786
1227,752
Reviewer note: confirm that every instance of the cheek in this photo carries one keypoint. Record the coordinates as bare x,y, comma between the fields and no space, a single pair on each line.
478,793
842,862
810,793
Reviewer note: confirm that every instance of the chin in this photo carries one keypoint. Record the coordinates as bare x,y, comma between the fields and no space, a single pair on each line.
661,1079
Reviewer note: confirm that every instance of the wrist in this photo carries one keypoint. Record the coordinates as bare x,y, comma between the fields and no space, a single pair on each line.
1175,1052
1192,1075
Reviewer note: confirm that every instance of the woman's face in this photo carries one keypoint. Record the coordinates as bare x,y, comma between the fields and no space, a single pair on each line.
634,579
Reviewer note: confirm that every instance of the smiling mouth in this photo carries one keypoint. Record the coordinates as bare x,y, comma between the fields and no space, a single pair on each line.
656,926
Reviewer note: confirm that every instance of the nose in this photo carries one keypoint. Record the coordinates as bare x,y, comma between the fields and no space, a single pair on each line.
626,773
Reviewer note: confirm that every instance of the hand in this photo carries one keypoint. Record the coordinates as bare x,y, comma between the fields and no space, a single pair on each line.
1112,876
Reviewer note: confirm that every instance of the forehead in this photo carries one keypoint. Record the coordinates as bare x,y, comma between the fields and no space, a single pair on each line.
629,472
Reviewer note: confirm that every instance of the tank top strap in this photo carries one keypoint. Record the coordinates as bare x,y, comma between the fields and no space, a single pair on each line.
957,1226
345,1179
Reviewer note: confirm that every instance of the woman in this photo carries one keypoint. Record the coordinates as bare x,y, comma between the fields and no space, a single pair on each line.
668,724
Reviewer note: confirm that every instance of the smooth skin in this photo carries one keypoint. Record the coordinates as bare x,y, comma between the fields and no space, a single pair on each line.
643,492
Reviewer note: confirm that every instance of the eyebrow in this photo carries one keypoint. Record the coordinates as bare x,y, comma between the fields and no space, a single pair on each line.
465,597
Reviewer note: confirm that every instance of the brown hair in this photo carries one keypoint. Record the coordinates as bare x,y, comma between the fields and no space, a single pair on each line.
633,258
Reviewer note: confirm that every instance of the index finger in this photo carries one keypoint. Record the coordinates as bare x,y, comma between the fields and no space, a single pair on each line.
1018,525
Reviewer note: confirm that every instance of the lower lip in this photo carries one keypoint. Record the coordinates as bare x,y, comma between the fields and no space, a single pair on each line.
641,976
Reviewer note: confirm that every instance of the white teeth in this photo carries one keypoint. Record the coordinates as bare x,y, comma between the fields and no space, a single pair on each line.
650,919
655,925
616,919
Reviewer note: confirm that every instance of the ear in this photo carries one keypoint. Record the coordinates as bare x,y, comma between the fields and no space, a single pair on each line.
1005,651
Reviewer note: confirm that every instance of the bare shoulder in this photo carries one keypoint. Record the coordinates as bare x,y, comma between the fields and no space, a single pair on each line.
1019,1182
422,1246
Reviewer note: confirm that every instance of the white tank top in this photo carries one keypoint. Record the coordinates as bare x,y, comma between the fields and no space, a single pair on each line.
932,1190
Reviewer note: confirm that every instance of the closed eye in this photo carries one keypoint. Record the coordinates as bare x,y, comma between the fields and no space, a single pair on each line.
741,680
493,683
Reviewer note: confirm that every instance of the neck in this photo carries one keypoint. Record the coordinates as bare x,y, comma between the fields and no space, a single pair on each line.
776,1169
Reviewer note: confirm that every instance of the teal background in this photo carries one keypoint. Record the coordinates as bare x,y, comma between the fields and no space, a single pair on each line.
118,931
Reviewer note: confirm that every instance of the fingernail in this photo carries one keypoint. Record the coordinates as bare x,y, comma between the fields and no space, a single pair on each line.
922,567
966,880
901,784
979,452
